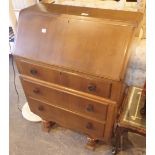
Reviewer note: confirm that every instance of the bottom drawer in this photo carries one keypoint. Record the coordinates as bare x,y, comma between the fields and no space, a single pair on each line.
67,118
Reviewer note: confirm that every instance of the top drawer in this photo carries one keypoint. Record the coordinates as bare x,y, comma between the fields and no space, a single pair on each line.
38,71
68,79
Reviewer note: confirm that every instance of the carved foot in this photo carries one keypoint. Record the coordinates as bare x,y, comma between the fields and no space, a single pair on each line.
46,125
91,144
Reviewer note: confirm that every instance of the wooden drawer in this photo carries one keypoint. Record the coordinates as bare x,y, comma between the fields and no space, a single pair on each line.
86,84
68,79
38,71
66,118
90,106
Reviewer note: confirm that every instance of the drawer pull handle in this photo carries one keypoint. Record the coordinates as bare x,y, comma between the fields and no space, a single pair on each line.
33,71
92,87
36,90
89,126
40,108
90,108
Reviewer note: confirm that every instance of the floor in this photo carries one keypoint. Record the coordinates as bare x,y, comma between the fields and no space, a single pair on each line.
27,138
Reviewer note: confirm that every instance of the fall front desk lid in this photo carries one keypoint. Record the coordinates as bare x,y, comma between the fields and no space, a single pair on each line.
88,40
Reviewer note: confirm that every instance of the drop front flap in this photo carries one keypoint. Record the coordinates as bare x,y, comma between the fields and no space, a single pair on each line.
95,44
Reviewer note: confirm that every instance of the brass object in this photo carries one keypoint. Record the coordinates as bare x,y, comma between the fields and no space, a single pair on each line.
92,87
90,108
36,90
33,71
40,108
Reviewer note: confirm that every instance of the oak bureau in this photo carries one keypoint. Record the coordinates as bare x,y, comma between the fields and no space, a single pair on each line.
72,62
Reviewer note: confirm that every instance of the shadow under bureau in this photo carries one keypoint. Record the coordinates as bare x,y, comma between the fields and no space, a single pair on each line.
72,62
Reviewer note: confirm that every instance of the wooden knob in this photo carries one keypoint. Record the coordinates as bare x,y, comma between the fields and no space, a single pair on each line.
36,90
90,108
92,87
40,108
33,71
89,125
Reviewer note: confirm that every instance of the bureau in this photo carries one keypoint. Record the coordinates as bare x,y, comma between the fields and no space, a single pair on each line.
72,62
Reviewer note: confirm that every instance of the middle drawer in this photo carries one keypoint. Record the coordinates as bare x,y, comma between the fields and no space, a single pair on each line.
56,95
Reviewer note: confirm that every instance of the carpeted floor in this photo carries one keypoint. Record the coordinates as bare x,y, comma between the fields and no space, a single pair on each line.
27,138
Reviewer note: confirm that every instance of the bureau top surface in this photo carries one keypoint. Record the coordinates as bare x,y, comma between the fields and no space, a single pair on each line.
88,40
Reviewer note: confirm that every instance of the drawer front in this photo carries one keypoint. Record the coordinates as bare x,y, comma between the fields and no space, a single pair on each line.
71,80
66,118
86,84
38,71
57,96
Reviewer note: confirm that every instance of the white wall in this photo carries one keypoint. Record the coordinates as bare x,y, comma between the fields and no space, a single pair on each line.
20,4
